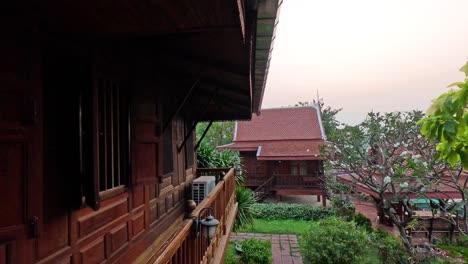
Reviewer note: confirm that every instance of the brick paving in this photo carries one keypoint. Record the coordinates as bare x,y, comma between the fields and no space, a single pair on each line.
284,248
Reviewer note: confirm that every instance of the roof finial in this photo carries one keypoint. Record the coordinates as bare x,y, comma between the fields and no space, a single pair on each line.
318,100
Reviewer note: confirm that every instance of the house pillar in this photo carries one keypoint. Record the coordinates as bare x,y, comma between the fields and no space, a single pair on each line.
324,200
318,198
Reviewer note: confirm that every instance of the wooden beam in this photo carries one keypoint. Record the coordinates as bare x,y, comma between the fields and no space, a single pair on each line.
181,105
203,135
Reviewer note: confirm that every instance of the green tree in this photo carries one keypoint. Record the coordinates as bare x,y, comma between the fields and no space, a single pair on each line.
220,133
446,122
387,157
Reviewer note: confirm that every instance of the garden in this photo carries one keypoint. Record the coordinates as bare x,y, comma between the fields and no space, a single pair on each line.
329,235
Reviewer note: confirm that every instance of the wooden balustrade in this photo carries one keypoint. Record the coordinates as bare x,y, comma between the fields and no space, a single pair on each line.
299,181
256,179
219,173
184,247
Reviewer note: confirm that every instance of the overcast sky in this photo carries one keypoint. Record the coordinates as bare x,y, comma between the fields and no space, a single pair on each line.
364,55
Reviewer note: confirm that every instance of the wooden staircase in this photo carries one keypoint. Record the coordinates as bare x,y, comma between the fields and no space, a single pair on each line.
266,188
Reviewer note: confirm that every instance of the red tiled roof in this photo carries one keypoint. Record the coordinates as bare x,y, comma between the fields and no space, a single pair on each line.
291,150
281,124
281,150
281,134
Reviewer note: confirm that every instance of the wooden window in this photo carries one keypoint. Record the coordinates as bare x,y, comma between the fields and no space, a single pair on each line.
298,168
110,146
107,154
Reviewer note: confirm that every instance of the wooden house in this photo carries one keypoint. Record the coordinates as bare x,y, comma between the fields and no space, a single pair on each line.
98,102
280,151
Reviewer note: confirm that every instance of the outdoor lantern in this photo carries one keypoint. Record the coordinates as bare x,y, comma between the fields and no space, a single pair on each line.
207,226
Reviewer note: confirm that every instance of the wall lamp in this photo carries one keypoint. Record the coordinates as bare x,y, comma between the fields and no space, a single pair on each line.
207,226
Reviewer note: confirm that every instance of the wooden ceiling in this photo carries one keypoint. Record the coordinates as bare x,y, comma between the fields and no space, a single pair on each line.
226,44
145,17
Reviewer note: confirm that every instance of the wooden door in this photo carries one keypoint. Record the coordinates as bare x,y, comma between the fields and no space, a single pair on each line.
20,138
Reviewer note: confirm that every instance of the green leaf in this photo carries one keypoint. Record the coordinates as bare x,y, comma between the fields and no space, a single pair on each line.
458,84
464,157
453,158
464,69
450,126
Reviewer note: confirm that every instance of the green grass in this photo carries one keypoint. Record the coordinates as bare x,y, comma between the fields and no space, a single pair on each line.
455,251
231,256
276,227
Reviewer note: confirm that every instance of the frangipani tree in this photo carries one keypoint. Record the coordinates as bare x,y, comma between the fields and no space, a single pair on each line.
446,122
386,159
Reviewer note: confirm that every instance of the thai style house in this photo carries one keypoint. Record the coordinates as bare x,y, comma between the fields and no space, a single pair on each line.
98,102
280,151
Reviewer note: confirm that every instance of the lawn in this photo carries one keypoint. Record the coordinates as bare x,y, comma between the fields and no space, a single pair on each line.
231,257
297,227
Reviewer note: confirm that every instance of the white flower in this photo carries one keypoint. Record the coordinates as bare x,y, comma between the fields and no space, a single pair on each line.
404,185
387,180
416,157
396,145
404,153
424,163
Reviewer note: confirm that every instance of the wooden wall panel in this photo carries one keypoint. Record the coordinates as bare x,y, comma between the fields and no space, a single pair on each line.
11,103
153,212
93,221
94,252
4,252
56,236
124,225
138,223
12,178
161,208
138,196
146,162
117,238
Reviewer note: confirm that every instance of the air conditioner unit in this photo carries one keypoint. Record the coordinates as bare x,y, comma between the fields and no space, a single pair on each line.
202,187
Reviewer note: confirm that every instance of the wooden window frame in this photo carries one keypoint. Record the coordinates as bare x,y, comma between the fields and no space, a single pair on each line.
91,136
298,165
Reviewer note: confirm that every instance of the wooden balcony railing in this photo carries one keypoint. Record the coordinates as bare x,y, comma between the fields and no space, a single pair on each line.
309,181
256,179
185,248
219,173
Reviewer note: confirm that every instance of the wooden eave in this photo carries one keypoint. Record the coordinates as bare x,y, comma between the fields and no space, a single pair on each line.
267,20
227,44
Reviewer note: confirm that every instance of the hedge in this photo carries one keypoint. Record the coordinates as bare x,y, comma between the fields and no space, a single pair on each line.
282,211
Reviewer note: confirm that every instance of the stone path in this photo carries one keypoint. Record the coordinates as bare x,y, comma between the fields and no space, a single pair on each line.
284,248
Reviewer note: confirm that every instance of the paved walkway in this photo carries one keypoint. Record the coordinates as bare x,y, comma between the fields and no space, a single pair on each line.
284,248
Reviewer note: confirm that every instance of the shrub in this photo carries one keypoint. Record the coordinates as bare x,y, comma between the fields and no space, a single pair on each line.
391,250
364,222
255,251
343,207
209,157
246,200
333,240
283,211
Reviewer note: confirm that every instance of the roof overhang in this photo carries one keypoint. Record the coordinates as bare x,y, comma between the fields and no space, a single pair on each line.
267,21
225,45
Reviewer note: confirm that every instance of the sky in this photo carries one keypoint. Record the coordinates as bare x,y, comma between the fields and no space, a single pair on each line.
363,55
